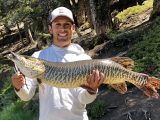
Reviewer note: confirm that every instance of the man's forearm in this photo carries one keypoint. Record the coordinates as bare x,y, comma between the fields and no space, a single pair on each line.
27,91
85,97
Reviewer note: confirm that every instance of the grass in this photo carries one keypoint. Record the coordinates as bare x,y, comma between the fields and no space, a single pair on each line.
7,94
11,107
135,10
97,109
15,111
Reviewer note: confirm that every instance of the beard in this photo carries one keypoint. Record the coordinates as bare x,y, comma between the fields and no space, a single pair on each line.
62,38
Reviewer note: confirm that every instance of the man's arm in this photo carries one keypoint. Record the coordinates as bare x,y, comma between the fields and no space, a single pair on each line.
89,93
24,87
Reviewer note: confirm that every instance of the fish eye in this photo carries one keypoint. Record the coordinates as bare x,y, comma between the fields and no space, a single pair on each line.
10,56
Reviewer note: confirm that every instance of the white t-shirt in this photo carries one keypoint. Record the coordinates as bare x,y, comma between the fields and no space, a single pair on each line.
59,103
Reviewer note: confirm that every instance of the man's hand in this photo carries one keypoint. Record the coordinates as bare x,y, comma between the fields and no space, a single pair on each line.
94,80
18,81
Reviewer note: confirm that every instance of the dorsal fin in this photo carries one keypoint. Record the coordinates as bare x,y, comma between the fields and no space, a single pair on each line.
126,62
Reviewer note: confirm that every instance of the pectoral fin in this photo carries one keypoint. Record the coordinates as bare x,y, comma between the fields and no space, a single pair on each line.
121,88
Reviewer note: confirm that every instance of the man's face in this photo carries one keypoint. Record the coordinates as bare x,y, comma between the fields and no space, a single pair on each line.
62,29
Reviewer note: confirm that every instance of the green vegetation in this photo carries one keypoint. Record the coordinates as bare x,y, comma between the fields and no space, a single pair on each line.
135,10
16,111
7,95
146,53
97,109
11,108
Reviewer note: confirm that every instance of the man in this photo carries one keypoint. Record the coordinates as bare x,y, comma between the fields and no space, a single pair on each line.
60,103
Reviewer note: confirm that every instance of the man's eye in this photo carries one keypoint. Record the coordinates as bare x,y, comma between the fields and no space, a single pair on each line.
57,24
67,25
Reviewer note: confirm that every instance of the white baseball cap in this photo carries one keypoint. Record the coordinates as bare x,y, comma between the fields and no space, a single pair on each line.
61,11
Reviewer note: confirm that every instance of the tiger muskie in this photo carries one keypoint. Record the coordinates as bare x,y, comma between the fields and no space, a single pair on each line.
74,74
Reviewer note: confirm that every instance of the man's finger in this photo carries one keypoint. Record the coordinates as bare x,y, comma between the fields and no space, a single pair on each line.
89,79
101,78
92,77
97,77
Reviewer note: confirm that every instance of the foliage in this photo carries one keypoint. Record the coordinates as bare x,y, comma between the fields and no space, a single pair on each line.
31,12
11,108
97,109
7,94
15,111
135,10
19,11
146,53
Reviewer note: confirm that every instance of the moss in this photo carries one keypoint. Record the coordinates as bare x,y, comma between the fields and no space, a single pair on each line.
135,10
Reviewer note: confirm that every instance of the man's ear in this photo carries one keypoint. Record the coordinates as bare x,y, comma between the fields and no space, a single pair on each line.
50,28
74,27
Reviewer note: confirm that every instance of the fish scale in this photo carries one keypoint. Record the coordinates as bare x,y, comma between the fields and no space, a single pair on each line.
74,74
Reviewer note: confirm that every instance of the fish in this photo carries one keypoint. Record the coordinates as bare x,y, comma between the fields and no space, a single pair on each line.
74,74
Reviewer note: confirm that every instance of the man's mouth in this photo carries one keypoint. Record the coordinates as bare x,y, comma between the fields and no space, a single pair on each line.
62,34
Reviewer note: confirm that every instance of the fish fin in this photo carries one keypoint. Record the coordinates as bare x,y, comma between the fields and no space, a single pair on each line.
126,62
121,87
150,89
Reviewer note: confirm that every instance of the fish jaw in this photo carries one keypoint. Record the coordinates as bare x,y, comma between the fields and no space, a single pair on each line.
28,66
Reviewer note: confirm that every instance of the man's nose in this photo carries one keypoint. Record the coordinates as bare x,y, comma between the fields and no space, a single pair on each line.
62,27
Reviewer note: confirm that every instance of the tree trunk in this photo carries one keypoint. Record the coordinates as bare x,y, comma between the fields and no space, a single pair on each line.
19,32
101,15
81,12
29,34
156,9
93,15
95,12
2,35
7,29
104,20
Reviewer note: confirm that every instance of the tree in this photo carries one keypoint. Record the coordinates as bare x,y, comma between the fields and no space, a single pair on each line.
91,11
18,12
156,9
101,23
6,6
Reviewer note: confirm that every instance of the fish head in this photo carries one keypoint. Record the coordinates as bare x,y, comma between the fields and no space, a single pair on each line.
29,66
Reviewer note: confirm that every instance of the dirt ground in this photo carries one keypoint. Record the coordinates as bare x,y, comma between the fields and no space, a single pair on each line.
133,105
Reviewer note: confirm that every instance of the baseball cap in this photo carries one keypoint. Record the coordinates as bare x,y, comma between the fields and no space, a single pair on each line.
61,11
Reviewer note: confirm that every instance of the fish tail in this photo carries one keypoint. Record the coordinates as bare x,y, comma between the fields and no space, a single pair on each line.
151,87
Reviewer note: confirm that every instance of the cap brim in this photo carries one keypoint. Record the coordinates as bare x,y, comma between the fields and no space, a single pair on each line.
60,16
